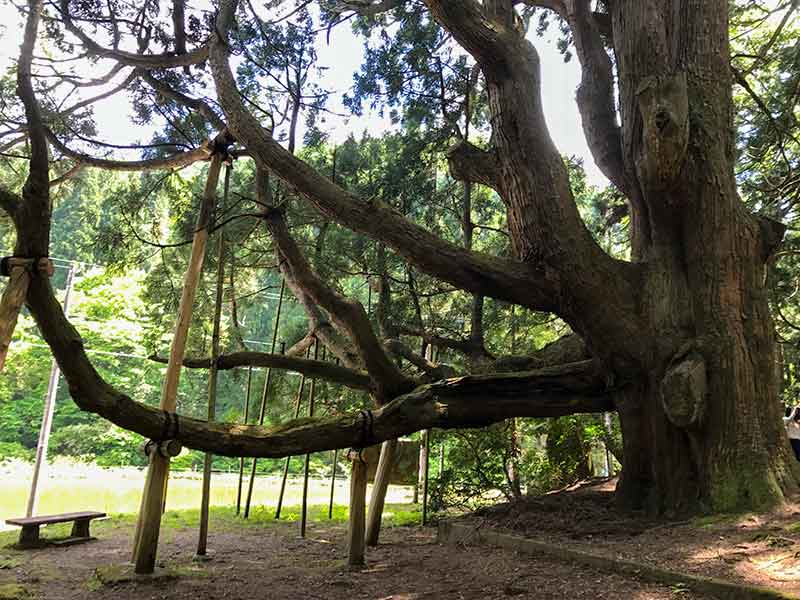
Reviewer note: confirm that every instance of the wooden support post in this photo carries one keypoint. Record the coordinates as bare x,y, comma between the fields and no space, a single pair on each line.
244,422
80,528
147,529
297,402
358,493
304,511
262,411
379,488
333,483
19,271
424,462
213,372
441,457
47,416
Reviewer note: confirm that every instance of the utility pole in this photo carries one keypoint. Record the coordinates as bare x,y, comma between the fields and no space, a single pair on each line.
47,417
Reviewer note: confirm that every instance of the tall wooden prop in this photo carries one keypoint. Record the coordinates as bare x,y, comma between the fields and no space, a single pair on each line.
47,416
19,272
262,411
378,497
333,483
212,379
358,492
304,512
424,462
149,524
297,403
244,422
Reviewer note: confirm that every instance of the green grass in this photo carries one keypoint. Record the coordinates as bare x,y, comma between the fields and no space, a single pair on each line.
221,518
70,488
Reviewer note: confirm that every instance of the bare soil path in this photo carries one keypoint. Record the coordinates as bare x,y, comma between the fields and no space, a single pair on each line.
269,560
755,549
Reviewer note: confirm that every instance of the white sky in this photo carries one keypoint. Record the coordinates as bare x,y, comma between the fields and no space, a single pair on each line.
342,58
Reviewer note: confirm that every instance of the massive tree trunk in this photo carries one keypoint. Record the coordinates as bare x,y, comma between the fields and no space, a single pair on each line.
701,417
694,385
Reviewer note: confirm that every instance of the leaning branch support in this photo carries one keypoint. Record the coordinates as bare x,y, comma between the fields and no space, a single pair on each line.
147,528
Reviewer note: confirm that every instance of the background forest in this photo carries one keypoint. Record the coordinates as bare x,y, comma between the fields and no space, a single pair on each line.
125,238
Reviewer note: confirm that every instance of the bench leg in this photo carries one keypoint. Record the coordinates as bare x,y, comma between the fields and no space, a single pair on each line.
80,528
29,536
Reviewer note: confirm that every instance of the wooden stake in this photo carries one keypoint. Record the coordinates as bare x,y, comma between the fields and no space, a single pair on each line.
244,422
304,512
333,483
264,396
379,488
49,411
424,452
213,372
358,492
298,401
153,497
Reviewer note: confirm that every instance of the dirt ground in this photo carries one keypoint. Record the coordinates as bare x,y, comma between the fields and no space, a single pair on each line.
762,550
273,562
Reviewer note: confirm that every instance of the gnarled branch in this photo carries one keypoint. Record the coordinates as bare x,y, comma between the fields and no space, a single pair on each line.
308,367
147,61
9,201
595,96
469,163
474,401
192,103
176,161
491,276
37,184
349,315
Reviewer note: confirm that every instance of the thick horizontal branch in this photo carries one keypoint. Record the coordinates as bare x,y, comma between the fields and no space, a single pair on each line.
176,161
308,367
566,349
468,347
557,6
469,163
474,401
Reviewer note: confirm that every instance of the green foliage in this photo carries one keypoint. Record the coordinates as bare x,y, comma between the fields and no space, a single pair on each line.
475,469
12,450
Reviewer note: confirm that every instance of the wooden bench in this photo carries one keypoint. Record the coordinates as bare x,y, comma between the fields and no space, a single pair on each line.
29,536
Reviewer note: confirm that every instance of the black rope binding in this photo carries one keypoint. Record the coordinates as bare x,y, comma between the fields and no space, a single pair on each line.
170,427
367,434
5,268
5,265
